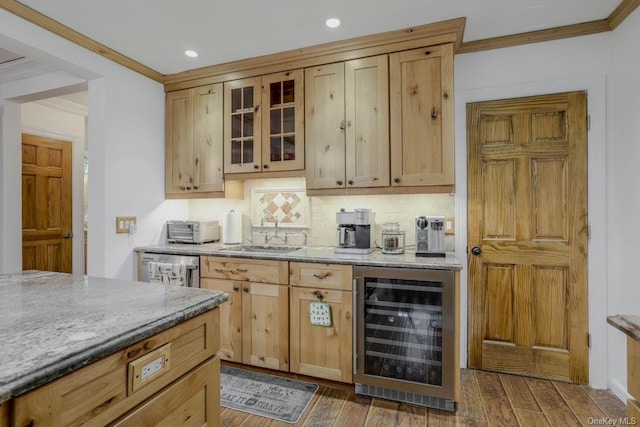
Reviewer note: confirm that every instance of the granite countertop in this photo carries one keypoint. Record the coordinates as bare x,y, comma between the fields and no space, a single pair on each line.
314,254
627,323
54,323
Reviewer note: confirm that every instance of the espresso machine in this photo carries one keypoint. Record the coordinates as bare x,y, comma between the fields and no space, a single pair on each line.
355,231
430,236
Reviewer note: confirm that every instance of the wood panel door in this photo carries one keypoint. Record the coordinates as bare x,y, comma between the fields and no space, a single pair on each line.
265,325
322,351
46,204
421,103
325,126
208,138
367,121
230,317
179,142
527,210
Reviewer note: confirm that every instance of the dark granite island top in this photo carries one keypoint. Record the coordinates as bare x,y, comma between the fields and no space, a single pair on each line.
54,323
626,323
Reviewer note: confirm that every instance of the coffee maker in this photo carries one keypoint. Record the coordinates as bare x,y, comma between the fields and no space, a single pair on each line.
430,236
355,231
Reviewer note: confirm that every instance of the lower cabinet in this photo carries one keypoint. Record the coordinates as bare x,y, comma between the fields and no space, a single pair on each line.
255,320
116,390
318,350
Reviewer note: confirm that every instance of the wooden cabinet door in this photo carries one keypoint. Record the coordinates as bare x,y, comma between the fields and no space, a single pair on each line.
179,142
230,317
421,99
207,138
325,126
242,125
265,325
367,122
322,351
283,121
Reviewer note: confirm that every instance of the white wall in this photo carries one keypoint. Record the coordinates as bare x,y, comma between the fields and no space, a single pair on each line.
125,141
582,63
623,189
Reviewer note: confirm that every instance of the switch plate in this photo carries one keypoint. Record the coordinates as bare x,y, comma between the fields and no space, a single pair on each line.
449,225
125,223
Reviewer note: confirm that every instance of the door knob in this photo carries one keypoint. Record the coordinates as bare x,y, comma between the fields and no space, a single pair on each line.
476,250
67,235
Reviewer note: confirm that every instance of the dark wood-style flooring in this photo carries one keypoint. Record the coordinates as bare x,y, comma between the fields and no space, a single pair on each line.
487,399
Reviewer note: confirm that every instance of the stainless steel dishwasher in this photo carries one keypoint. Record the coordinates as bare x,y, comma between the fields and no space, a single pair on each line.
192,264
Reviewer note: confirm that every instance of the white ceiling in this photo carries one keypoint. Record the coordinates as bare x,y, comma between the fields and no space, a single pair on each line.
155,33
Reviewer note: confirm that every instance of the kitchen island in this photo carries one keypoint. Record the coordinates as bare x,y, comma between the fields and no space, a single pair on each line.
78,349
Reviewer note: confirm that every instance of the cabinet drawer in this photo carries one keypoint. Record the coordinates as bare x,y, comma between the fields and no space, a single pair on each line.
325,276
247,270
198,402
633,368
100,392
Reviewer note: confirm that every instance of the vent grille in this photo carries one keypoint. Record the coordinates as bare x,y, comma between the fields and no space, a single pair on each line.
407,397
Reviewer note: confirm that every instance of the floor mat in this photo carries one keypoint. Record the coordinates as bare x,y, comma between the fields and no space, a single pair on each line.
265,395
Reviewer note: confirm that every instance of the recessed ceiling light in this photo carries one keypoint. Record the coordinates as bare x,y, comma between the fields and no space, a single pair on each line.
333,22
191,53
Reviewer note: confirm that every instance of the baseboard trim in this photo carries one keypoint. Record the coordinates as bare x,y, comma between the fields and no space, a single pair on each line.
619,390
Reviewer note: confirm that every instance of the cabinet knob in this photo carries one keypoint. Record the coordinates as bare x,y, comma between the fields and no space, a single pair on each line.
256,167
245,289
236,289
396,180
339,182
187,188
265,166
319,295
195,187
350,182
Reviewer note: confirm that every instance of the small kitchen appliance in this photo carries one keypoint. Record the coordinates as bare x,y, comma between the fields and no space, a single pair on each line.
355,231
392,238
199,231
430,236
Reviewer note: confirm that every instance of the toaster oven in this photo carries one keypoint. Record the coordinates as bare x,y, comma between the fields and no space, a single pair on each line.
193,231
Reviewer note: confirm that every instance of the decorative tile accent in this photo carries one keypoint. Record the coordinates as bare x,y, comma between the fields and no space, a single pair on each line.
290,207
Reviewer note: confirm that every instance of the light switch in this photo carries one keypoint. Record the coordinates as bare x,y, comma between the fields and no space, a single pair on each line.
449,225
125,224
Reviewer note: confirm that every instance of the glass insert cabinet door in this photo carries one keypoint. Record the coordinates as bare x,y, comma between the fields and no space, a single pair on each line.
242,125
406,332
264,123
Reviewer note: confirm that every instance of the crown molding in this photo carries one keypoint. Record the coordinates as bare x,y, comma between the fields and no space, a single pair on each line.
64,105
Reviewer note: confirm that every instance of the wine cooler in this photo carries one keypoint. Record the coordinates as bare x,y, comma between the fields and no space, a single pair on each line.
406,346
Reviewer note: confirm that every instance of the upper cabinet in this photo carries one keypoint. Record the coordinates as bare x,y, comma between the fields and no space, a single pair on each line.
347,124
194,138
264,123
422,117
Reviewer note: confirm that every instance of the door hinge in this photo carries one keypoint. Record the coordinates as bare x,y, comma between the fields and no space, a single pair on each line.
588,340
588,231
588,121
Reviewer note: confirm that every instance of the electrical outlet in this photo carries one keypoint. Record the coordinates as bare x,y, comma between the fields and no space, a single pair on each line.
125,224
449,225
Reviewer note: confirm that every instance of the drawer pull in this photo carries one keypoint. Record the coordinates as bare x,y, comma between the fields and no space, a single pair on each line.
149,345
241,270
320,276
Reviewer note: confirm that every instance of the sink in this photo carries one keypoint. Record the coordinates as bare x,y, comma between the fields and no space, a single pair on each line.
265,249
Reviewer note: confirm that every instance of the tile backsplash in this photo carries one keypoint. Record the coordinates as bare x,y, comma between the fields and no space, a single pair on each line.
402,208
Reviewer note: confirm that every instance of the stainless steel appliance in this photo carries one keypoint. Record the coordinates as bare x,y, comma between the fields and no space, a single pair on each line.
199,231
430,236
405,335
192,264
355,231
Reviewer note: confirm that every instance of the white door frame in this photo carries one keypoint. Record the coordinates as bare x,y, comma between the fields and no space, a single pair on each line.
595,86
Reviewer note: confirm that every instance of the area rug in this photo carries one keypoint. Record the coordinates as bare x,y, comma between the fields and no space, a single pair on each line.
265,395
